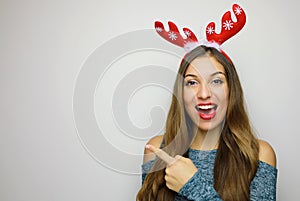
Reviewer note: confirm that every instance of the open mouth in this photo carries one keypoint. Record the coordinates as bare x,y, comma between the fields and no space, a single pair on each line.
206,111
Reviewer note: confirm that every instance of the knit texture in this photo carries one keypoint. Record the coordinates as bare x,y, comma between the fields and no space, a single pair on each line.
200,186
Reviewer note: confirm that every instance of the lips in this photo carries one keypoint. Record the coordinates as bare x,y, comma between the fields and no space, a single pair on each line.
206,111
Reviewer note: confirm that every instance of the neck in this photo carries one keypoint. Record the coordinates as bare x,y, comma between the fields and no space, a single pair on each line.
206,140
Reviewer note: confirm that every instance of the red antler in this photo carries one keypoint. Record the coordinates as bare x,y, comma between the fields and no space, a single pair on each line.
229,28
173,34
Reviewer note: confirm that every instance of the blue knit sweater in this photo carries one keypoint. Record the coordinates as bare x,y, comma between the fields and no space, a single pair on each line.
200,186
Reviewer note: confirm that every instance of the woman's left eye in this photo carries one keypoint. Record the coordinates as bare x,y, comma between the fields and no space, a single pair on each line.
217,81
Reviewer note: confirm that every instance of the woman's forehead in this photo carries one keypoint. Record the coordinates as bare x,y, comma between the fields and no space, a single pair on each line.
204,66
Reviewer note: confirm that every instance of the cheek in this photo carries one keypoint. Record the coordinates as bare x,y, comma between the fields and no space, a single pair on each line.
221,93
188,96
223,99
226,95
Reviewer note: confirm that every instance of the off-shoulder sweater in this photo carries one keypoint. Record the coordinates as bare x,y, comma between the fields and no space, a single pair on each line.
201,186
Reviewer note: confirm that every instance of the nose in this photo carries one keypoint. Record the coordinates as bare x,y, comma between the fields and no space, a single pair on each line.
204,91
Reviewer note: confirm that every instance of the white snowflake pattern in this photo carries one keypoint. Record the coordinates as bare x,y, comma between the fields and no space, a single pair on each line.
228,25
187,33
159,29
210,30
172,35
238,10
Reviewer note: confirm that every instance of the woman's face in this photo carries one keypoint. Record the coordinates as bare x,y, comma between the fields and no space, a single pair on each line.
205,93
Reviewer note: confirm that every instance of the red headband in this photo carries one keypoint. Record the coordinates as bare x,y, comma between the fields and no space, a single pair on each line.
229,29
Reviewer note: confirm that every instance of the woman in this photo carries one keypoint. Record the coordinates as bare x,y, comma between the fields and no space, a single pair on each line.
209,151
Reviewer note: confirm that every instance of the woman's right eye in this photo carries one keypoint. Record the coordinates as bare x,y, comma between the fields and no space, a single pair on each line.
191,83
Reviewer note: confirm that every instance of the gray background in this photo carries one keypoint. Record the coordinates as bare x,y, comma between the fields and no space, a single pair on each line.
44,45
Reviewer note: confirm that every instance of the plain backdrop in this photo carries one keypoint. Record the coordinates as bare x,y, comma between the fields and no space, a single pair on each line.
44,46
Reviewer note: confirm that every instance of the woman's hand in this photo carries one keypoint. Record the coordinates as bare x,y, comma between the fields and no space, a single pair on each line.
178,171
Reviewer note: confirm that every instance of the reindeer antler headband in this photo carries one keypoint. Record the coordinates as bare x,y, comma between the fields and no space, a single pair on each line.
213,39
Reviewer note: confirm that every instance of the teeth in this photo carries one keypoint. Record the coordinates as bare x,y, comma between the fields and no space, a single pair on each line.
205,107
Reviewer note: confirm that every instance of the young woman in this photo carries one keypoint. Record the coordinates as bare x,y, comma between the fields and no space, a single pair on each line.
208,151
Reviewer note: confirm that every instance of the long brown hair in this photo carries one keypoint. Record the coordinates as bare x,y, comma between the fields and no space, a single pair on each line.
237,156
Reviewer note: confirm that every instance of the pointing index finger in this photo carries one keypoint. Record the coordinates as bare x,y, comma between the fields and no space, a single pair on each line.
161,154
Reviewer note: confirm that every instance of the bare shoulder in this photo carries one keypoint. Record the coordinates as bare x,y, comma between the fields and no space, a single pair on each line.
155,141
266,153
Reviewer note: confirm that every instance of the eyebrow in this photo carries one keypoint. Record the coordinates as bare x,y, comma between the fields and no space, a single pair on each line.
219,72
215,73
